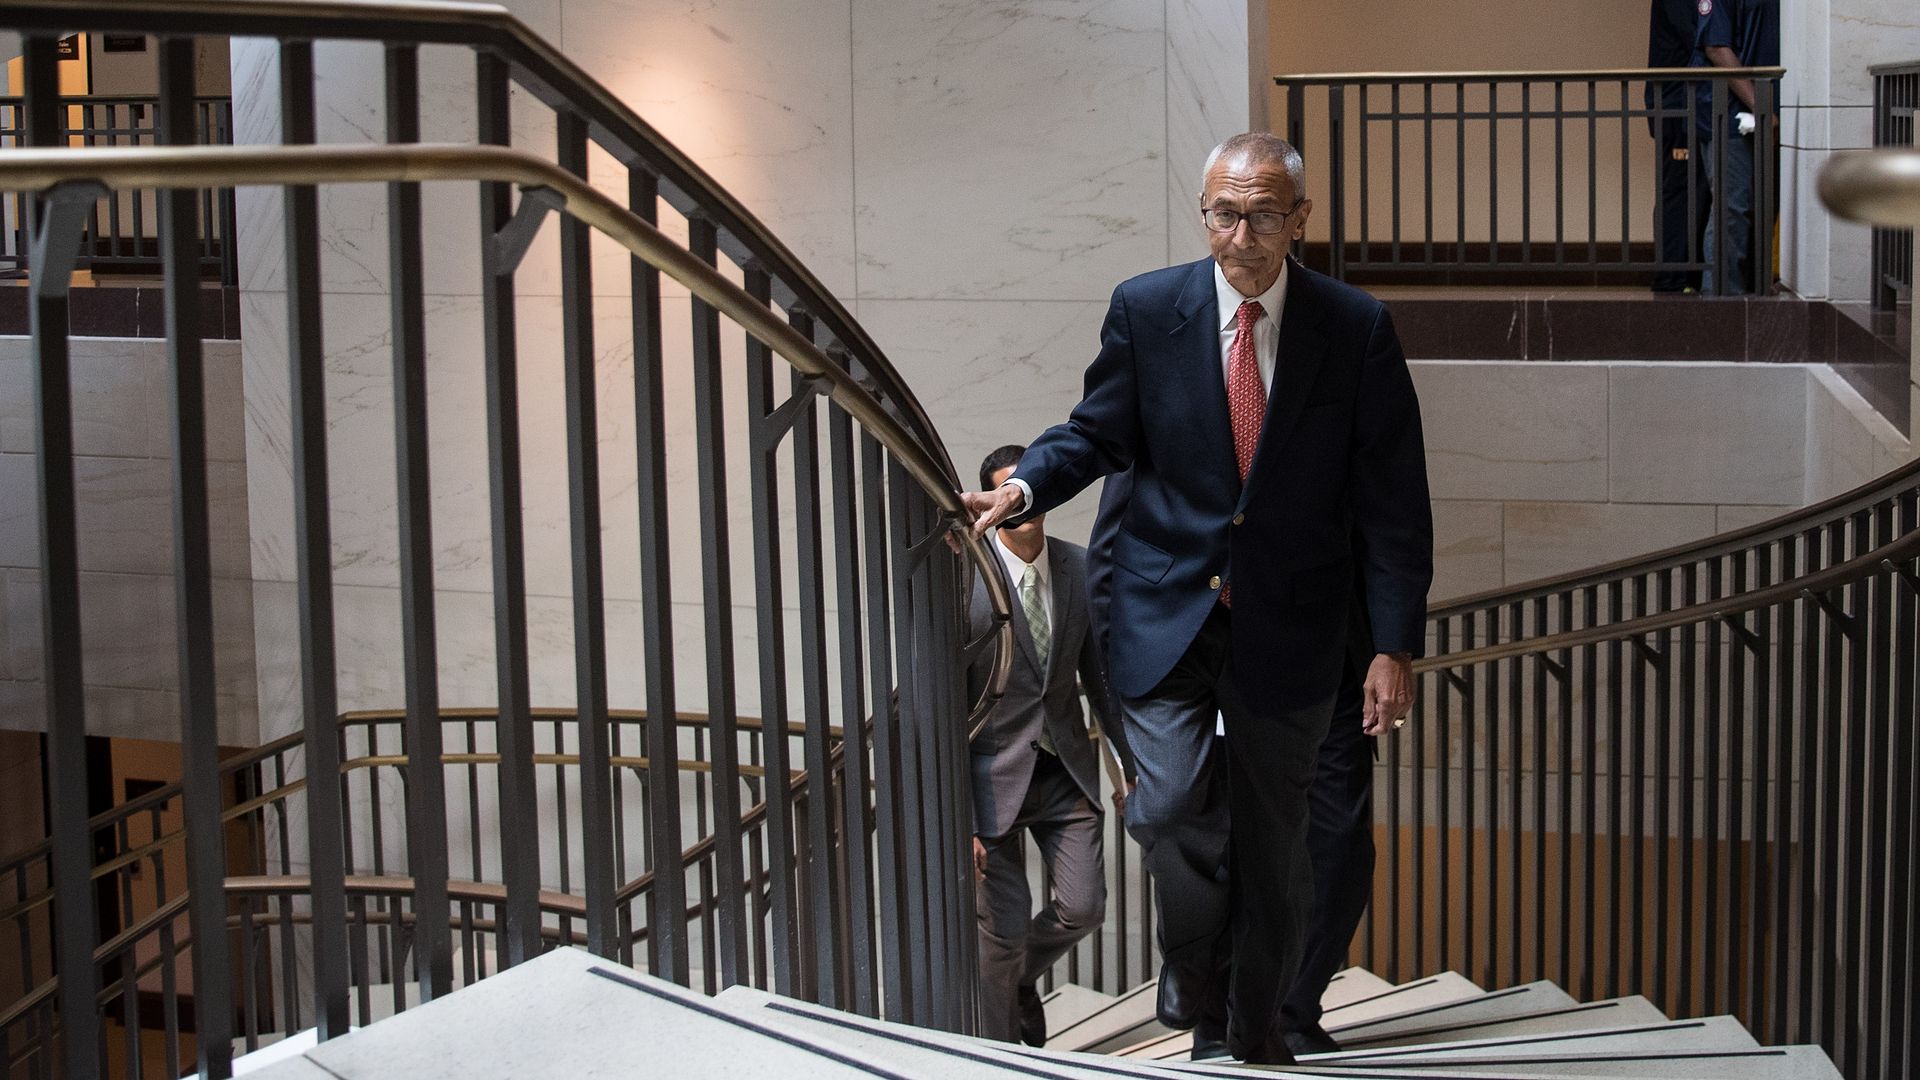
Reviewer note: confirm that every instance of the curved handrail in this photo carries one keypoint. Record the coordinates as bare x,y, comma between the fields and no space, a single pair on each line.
1647,74
550,75
1789,524
1837,576
138,168
1878,187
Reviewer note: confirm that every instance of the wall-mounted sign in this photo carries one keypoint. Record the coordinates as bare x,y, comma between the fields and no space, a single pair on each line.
123,43
69,47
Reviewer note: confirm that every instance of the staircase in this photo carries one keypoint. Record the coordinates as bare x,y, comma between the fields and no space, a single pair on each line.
571,1014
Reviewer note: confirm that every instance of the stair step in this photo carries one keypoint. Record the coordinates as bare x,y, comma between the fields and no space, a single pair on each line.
1764,1063
1127,1013
911,1050
568,1014
1409,997
1494,1005
1714,1034
1069,1004
1352,985
1126,1025
1448,1028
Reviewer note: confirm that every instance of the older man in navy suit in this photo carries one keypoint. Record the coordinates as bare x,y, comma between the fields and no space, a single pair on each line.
1270,422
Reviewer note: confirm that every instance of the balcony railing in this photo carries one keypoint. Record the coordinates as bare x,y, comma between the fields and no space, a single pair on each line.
1532,176
122,233
1896,96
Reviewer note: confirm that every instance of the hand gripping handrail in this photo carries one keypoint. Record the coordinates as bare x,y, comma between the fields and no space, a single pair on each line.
134,168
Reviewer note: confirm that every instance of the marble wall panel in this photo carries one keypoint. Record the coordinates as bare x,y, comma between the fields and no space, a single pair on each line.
1729,518
1468,548
760,95
1206,103
993,372
1673,425
1547,538
1862,33
1008,151
1514,430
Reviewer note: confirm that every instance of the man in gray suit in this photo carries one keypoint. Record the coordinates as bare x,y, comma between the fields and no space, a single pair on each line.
1036,771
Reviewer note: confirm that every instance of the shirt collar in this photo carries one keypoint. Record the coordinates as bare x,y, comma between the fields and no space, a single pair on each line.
1229,299
1017,566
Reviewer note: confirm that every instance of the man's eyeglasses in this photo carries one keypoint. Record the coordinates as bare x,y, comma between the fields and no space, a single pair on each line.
1264,222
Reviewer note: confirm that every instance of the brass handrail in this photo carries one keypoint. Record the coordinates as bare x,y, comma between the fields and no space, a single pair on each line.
1875,187
1656,74
194,167
1891,555
543,69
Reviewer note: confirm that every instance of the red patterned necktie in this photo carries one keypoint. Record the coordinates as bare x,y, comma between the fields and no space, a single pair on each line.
1246,398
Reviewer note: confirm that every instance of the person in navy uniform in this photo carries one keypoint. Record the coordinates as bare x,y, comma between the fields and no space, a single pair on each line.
1672,33
1733,33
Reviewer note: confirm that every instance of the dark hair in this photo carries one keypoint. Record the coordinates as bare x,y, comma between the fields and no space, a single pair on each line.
1002,458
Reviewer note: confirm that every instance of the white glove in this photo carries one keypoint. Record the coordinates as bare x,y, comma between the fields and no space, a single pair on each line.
1745,120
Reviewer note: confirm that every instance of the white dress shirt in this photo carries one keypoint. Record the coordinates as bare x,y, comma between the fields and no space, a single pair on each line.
1266,342
1017,569
1266,332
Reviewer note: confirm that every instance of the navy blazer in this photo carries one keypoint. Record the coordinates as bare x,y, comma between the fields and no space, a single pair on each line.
1338,484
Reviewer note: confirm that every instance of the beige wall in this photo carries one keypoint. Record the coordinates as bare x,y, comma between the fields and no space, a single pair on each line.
1475,35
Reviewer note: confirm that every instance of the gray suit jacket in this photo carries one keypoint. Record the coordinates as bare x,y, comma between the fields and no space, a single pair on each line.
1005,750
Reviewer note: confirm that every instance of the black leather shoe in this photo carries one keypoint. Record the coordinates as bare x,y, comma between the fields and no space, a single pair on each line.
1269,1051
1209,1040
1033,1017
1312,1040
1182,992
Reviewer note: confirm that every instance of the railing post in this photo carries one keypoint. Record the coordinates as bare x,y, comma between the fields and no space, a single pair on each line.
193,586
1336,181
54,224
426,788
519,835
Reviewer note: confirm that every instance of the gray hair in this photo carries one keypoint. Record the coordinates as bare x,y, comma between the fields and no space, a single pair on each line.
1262,148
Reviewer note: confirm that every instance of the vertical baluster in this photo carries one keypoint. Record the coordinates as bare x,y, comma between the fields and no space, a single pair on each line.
909,596
1487,972
1559,173
1591,777
1626,177
1617,761
1516,614
1834,822
1426,151
764,481
1493,173
1538,731
1393,105
519,916
589,584
1469,723
1563,675
1903,1004
1460,173
662,786
56,223
193,586
1443,744
1526,173
1786,855
1807,951
426,785
1337,181
857,823
1708,840
307,380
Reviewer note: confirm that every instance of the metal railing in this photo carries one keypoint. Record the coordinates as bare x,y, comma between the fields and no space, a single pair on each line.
122,233
856,598
268,898
1502,176
1896,94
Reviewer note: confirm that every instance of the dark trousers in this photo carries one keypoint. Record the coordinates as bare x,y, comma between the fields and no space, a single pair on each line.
1676,231
1233,906
1340,843
1017,946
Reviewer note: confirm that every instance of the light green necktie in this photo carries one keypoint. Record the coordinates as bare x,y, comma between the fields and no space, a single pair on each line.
1035,606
